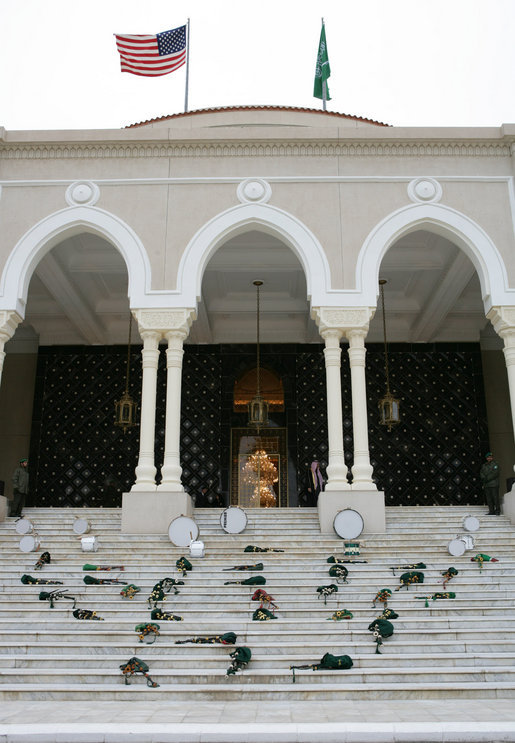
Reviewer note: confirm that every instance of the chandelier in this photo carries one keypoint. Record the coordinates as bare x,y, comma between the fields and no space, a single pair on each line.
258,407
260,474
125,408
389,413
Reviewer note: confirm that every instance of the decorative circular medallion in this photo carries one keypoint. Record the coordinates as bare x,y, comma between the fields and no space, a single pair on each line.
424,189
82,193
254,190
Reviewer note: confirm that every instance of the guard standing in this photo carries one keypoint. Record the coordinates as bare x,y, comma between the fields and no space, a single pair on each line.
489,476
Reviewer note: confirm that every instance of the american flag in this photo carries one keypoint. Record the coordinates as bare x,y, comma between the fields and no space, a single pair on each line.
152,55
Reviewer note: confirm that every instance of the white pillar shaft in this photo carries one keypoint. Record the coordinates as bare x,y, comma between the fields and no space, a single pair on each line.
171,470
509,357
361,471
336,469
146,470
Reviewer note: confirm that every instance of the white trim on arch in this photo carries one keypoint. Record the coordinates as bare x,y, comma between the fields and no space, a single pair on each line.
51,230
448,223
240,219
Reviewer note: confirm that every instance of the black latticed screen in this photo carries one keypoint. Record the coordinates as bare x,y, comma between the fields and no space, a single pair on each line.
79,458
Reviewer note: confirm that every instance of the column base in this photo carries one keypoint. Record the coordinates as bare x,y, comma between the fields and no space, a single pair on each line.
151,512
4,507
370,504
509,505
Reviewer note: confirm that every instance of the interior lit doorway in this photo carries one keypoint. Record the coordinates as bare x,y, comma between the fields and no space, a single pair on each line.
259,473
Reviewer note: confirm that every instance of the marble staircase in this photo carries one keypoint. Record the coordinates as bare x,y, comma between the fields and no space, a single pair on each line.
461,648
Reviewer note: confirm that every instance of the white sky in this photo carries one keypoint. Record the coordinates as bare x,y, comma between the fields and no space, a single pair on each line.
403,62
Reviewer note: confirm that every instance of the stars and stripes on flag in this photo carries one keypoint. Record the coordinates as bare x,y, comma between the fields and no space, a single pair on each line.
152,55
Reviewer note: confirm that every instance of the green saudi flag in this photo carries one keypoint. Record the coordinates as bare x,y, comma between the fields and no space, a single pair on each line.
323,69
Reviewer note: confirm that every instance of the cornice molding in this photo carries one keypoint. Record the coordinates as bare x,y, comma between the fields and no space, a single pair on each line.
261,149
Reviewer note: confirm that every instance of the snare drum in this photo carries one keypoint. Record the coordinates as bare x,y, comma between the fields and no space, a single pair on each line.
469,541
348,524
470,523
89,544
351,548
29,543
233,520
24,526
456,547
81,526
182,531
197,549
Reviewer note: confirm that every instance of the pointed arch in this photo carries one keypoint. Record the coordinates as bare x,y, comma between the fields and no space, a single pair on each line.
444,221
240,219
51,230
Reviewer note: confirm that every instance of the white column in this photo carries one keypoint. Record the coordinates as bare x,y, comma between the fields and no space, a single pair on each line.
336,469
146,470
9,321
172,470
362,470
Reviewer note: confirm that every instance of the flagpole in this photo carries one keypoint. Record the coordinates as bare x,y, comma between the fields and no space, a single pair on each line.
187,65
324,86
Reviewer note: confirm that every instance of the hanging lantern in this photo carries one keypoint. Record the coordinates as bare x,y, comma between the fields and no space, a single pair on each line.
389,411
125,408
257,407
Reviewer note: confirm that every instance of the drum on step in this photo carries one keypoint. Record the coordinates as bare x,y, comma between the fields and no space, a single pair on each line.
81,526
24,526
29,543
233,520
456,547
182,531
348,524
470,523
89,544
469,541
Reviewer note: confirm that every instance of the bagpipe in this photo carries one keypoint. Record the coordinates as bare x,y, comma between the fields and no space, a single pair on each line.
326,591
89,580
263,615
43,560
28,580
339,572
415,566
164,616
448,575
183,565
381,628
340,614
135,665
341,561
382,596
160,590
255,580
54,596
257,566
240,659
87,566
389,614
409,579
86,614
265,598
129,591
480,558
435,596
229,638
148,632
251,548
328,662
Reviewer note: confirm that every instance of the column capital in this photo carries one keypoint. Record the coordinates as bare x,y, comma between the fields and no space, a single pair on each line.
165,320
503,321
344,319
9,321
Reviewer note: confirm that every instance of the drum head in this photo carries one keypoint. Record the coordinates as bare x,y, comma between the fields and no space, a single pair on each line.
456,547
182,531
23,526
348,524
81,526
468,539
470,523
233,520
29,543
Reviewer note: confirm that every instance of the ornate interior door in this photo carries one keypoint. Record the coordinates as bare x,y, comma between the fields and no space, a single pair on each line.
259,473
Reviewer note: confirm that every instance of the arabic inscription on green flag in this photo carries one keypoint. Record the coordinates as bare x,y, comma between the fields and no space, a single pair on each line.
323,70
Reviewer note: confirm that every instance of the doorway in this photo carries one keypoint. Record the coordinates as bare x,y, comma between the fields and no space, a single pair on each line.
259,472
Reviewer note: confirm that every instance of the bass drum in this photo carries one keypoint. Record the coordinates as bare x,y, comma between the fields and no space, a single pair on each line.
182,531
24,526
471,523
456,547
233,520
29,543
348,524
81,526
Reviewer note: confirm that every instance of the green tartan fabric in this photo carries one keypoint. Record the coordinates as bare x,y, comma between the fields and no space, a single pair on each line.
339,571
411,578
332,662
340,614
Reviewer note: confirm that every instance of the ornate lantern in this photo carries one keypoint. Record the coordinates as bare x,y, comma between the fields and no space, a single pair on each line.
125,408
258,407
389,412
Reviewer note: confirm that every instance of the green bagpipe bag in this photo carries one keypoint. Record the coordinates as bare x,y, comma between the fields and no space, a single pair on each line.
339,572
240,658
255,580
382,596
183,565
262,615
165,616
381,628
389,614
329,662
409,579
340,614
326,591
